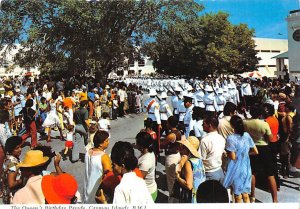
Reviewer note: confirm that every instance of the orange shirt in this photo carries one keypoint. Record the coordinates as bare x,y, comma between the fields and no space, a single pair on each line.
274,125
68,102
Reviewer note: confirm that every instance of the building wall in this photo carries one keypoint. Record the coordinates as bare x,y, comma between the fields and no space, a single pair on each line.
266,49
293,20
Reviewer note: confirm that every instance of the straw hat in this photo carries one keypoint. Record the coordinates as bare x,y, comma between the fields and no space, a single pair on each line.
194,141
59,189
33,158
190,147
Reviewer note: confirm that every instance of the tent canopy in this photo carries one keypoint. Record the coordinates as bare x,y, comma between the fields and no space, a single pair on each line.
284,55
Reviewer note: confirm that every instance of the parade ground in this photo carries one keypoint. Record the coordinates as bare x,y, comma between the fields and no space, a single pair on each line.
126,128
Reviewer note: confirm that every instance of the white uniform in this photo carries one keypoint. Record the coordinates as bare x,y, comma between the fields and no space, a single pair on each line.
221,101
210,102
164,110
187,119
199,99
246,89
181,110
174,100
153,109
234,96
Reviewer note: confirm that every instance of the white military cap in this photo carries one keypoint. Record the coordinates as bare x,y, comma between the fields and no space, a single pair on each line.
189,95
177,88
220,91
152,92
189,88
208,88
225,89
164,95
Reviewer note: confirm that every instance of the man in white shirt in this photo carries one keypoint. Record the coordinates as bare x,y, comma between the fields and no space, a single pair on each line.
211,150
165,112
246,92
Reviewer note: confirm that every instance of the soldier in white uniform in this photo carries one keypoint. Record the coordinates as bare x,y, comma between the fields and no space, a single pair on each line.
234,94
188,104
199,94
221,101
226,94
246,92
174,101
181,110
210,102
152,108
165,112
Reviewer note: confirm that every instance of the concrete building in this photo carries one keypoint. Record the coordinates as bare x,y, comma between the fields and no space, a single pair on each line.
142,67
266,49
293,20
8,67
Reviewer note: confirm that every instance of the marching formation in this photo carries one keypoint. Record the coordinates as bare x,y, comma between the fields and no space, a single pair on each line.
214,137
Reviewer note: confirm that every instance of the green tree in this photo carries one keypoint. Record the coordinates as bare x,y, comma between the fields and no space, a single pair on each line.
202,45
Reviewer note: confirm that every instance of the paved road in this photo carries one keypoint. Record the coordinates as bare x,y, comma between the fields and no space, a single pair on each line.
125,129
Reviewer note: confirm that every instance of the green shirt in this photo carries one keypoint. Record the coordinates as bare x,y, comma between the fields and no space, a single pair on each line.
258,129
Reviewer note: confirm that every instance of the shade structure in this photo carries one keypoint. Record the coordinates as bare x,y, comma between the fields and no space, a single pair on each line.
255,74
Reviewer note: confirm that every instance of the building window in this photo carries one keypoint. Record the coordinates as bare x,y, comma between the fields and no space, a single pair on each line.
271,65
265,51
257,51
275,51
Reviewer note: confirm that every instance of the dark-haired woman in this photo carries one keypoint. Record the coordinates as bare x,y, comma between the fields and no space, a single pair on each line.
29,120
11,174
132,189
97,164
146,161
238,174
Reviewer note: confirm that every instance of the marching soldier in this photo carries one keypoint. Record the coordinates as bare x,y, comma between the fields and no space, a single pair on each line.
165,112
210,102
188,104
174,100
221,101
234,94
152,109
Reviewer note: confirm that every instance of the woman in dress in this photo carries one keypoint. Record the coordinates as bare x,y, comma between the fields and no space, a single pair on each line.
146,161
238,174
52,120
104,101
11,174
97,164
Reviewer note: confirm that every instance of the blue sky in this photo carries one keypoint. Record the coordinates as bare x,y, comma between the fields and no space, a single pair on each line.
267,17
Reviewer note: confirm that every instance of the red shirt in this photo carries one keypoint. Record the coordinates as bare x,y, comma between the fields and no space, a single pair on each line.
274,125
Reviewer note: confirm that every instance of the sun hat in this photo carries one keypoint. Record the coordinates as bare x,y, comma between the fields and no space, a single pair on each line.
164,95
33,158
194,141
190,147
59,189
282,95
152,92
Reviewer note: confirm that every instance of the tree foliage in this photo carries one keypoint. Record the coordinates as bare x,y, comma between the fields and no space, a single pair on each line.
202,45
77,37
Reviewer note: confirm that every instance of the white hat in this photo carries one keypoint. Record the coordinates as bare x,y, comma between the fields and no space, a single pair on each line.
152,92
220,91
208,88
83,87
230,86
107,87
17,90
189,95
189,88
95,89
225,89
177,88
164,95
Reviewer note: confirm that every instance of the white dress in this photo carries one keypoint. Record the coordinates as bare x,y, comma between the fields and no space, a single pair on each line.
92,176
52,118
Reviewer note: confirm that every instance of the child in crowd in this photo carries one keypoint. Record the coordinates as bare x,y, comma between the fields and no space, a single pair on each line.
104,123
69,140
115,107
